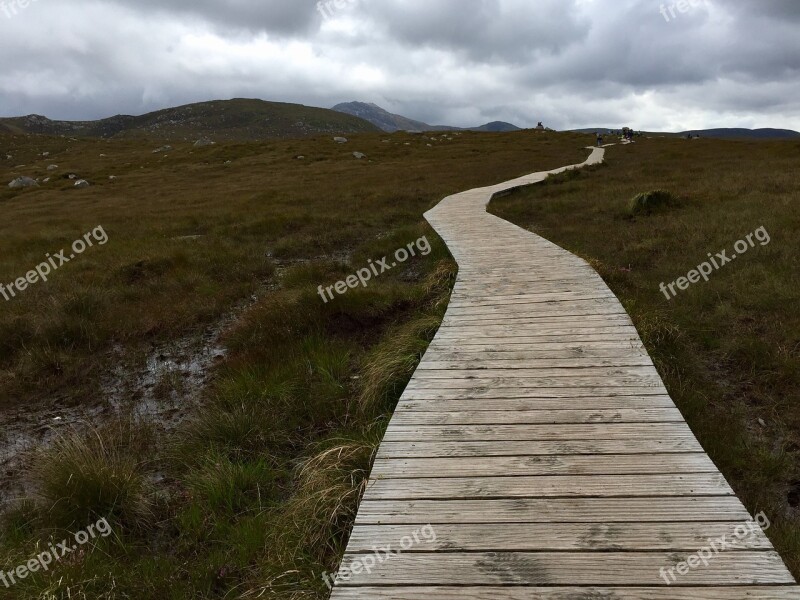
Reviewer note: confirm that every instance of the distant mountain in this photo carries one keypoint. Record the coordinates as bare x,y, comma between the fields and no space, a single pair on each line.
725,134
381,118
220,120
759,134
497,126
390,122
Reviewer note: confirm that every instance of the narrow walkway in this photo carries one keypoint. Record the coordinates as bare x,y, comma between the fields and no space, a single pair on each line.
540,445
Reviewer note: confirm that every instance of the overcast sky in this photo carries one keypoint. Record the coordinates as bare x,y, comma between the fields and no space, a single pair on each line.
569,63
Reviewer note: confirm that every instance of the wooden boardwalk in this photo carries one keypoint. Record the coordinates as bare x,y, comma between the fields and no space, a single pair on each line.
536,452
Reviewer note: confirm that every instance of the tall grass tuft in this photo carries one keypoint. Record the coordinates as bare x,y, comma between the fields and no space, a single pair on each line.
104,474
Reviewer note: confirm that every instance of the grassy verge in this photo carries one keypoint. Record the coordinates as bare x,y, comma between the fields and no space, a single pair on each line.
255,495
728,349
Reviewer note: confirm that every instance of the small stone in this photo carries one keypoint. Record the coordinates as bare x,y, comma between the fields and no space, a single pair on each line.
82,183
359,155
52,167
762,422
23,182
340,140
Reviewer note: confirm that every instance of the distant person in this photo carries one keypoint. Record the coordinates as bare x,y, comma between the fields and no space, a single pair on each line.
599,139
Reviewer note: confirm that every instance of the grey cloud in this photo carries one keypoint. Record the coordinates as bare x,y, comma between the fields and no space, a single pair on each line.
461,62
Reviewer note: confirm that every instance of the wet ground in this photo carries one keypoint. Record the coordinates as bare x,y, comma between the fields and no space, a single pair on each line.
163,389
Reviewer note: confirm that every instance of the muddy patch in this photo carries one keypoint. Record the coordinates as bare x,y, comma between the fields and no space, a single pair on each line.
163,387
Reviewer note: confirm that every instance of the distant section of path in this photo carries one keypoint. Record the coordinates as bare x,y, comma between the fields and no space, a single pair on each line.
539,443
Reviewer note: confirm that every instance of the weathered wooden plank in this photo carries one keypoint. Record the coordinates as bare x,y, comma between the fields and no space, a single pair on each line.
534,417
475,362
531,392
545,486
536,448
567,464
543,537
568,568
511,332
590,403
567,593
659,509
653,381
489,433
541,373
533,340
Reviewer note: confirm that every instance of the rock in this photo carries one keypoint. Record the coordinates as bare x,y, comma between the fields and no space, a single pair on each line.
762,422
112,177
45,180
359,155
162,149
228,162
102,156
72,176
300,157
45,154
52,167
82,183
340,140
23,182
429,145
203,142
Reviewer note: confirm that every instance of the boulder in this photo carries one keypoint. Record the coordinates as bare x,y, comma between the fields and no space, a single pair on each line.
82,183
162,149
359,155
52,167
23,182
203,142
340,140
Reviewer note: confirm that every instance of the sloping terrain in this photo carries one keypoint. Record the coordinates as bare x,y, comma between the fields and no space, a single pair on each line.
220,120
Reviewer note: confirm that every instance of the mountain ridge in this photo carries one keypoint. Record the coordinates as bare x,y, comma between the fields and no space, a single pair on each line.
732,133
390,122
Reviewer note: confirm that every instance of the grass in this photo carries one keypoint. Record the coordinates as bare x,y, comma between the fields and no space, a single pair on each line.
727,349
254,496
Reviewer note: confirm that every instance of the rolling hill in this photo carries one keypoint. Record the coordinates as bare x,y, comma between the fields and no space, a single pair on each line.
220,120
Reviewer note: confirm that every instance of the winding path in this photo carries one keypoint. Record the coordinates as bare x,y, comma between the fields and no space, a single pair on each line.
539,443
